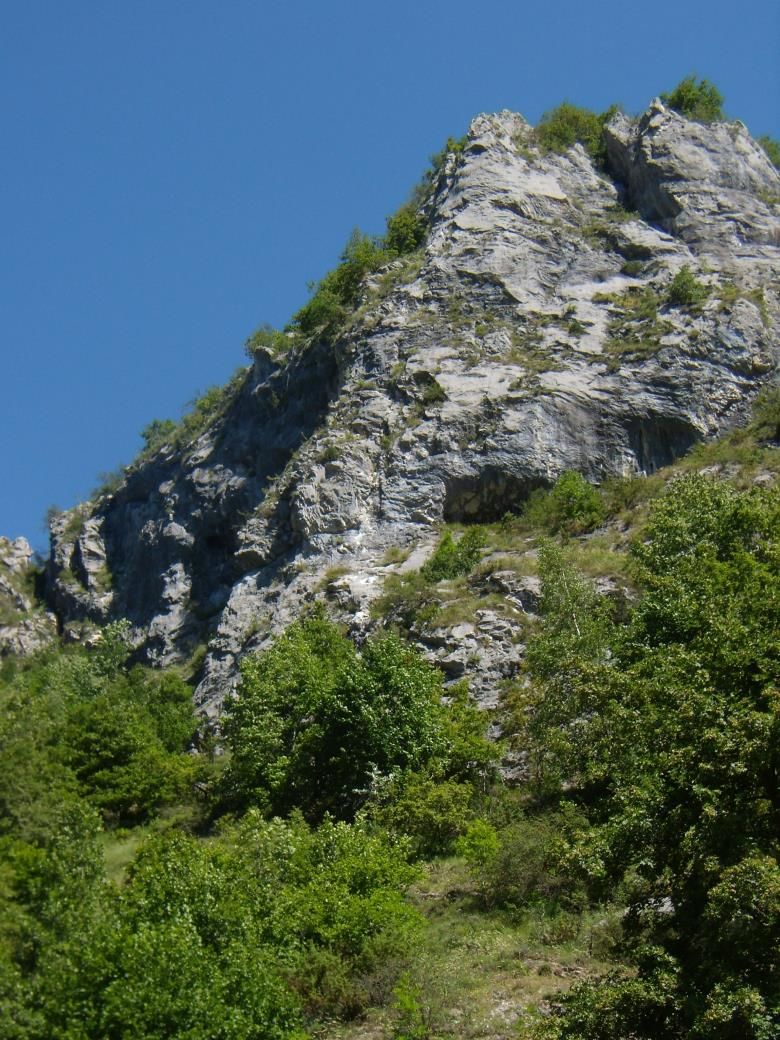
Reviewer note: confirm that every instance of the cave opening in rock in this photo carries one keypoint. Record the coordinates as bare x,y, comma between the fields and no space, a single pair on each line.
486,496
657,440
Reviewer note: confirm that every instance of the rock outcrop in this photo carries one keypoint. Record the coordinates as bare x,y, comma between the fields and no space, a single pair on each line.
24,627
532,334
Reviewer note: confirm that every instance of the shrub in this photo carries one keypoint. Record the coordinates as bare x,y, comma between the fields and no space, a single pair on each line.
433,392
685,291
571,506
157,433
410,1012
518,864
406,599
232,938
325,311
564,126
207,407
338,291
623,493
765,425
772,149
696,99
450,559
316,720
125,745
421,191
480,845
432,812
406,231
109,481
266,337
632,268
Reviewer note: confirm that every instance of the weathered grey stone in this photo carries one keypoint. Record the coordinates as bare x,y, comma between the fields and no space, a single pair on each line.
24,628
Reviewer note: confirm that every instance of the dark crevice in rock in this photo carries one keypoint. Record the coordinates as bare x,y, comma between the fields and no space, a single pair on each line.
657,440
486,496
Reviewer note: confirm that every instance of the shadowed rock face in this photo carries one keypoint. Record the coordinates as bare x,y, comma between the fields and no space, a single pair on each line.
509,351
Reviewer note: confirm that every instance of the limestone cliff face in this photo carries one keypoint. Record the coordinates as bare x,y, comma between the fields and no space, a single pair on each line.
24,626
533,334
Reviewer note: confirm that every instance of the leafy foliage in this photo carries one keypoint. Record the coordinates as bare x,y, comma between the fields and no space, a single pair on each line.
337,294
772,148
663,730
317,723
266,337
432,807
451,559
520,863
766,415
568,124
157,433
696,99
207,940
685,290
80,726
204,410
648,733
453,146
571,506
406,230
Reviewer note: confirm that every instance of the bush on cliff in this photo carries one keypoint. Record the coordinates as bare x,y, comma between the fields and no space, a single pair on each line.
566,125
318,723
697,99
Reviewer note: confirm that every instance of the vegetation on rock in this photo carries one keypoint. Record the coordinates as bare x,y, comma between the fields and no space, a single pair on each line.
333,865
772,148
685,290
568,124
696,98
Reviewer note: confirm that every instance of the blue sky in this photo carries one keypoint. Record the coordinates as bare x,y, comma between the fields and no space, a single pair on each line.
173,173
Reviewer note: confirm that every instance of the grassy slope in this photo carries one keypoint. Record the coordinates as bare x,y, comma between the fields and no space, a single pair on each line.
483,973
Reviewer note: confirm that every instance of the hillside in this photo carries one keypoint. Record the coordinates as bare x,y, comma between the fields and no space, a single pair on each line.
422,682
510,883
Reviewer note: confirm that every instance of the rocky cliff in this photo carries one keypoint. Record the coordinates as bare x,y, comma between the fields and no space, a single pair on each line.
534,332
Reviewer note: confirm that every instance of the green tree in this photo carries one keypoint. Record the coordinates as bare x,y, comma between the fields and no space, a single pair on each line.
315,720
666,733
121,764
696,98
570,506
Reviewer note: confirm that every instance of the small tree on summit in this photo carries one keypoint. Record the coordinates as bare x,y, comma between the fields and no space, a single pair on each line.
696,99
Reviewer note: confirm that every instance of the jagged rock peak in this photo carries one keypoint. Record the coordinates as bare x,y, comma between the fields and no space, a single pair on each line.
535,331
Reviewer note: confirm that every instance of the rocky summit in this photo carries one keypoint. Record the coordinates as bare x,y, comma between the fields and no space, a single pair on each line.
559,315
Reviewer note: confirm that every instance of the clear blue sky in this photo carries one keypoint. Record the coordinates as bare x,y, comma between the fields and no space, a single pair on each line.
174,172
